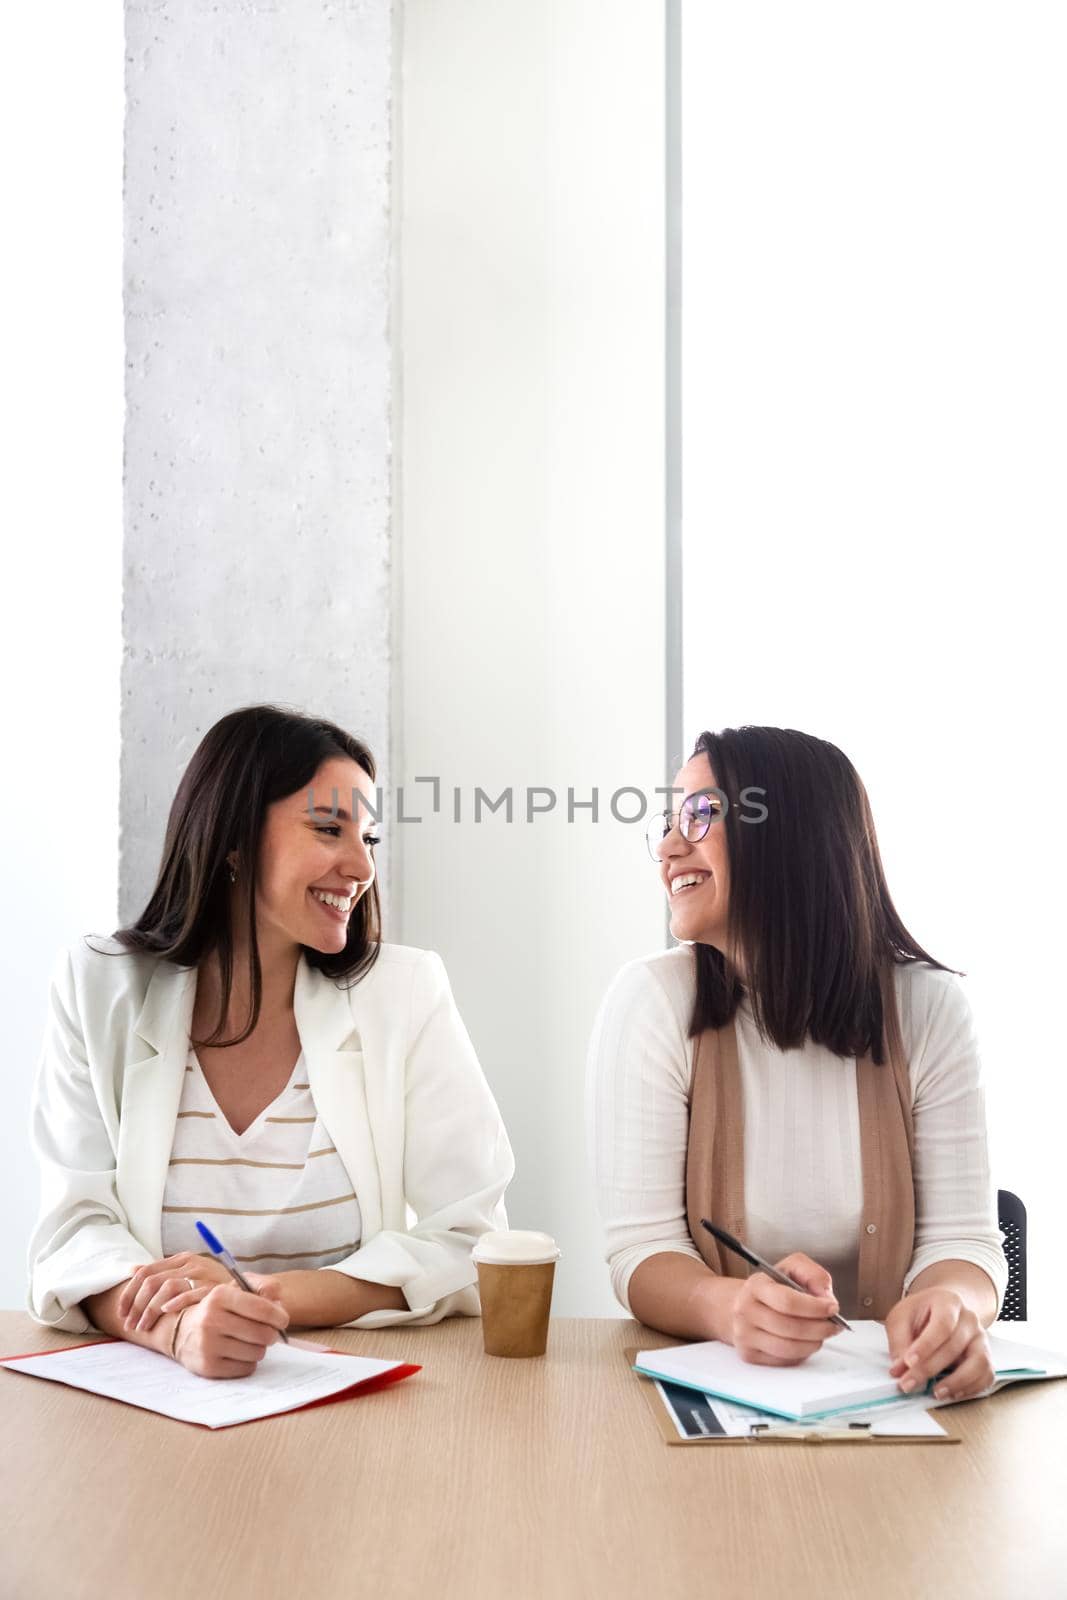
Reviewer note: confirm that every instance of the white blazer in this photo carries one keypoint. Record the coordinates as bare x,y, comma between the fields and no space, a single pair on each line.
393,1075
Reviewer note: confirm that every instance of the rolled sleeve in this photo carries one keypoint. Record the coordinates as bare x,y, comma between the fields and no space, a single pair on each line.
81,1244
955,1199
457,1164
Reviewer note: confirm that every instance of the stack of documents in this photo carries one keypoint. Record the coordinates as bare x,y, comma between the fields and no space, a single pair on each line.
289,1378
687,1416
844,1387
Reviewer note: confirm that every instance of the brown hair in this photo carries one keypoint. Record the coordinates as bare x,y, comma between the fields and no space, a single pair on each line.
248,760
809,909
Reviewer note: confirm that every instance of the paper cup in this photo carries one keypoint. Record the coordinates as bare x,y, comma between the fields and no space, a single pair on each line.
516,1270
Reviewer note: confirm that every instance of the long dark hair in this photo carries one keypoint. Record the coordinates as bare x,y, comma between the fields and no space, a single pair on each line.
249,759
809,914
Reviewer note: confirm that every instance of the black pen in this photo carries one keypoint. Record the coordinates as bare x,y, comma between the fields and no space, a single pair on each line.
757,1261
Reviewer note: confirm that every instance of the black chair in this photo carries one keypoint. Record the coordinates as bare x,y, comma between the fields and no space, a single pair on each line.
1012,1215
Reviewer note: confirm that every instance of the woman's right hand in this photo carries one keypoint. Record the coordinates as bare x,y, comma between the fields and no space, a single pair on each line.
773,1326
229,1331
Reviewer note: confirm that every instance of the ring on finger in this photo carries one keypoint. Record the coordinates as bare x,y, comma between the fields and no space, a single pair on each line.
172,1302
140,1322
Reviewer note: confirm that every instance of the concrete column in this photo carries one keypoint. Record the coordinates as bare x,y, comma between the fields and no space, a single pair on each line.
257,487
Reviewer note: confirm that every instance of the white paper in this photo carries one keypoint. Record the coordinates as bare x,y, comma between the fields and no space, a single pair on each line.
850,1371
710,1416
906,1416
289,1375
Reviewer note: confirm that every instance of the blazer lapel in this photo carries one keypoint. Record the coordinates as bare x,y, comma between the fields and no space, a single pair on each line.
333,1047
151,1092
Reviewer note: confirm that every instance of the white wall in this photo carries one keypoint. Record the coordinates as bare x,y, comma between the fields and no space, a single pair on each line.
875,337
533,421
258,278
61,510
531,639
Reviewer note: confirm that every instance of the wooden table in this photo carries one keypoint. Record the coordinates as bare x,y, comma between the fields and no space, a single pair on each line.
481,1477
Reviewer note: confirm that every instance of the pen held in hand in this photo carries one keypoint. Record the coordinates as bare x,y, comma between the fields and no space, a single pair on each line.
754,1260
229,1263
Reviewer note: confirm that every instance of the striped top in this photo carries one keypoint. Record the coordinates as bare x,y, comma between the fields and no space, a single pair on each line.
278,1195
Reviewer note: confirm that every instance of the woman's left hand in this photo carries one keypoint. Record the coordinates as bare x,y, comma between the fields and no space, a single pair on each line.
934,1331
163,1286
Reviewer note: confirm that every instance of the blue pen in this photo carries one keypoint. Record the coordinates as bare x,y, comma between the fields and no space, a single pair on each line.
230,1264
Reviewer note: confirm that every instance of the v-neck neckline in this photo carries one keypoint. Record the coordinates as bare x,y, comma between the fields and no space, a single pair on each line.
252,1126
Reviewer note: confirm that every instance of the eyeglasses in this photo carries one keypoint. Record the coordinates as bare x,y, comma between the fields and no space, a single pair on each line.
696,814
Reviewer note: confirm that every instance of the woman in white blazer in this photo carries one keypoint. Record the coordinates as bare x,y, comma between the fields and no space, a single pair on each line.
248,1053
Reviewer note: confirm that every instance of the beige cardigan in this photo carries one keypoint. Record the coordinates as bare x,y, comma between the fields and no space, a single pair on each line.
715,1168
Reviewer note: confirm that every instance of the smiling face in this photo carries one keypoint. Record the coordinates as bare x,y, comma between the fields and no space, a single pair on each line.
313,868
699,910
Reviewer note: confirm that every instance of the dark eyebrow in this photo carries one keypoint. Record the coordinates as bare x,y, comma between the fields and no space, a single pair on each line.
338,814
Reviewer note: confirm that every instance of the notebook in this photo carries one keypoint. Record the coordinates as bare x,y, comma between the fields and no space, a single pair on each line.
851,1370
290,1377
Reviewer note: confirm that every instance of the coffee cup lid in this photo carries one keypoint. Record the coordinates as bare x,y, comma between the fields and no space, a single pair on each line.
518,1247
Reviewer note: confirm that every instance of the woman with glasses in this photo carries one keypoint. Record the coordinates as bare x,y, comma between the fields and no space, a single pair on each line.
799,1072
250,1054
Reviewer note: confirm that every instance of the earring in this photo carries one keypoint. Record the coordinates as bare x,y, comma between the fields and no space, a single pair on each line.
233,873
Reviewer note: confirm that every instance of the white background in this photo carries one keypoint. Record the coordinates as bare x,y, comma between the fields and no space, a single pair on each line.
527,538
875,408
874,349
531,548
61,105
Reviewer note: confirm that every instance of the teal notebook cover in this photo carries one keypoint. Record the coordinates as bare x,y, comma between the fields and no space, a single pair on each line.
1004,1374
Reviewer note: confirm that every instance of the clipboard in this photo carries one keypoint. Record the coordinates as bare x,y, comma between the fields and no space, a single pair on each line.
772,1431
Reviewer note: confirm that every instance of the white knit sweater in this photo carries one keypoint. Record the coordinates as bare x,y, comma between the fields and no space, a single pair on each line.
803,1178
